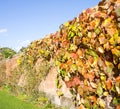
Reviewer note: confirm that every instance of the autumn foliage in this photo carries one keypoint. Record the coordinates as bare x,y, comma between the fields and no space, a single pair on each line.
86,51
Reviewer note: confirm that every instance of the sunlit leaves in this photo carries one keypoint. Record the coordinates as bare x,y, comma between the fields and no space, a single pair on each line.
116,52
101,103
86,51
72,47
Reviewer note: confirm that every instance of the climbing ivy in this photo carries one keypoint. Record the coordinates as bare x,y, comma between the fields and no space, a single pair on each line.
86,51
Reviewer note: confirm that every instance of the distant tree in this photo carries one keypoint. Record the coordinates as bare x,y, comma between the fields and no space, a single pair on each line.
1,57
7,52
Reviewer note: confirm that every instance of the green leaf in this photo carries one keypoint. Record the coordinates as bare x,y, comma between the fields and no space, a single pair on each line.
87,104
115,38
110,66
72,47
58,83
95,106
97,31
99,90
71,34
92,53
63,73
116,101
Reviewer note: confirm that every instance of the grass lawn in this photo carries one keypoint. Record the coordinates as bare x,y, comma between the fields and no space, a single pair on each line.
10,102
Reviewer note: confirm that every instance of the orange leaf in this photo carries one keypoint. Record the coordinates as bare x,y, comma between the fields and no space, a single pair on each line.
69,63
79,63
65,44
80,52
111,31
89,76
93,98
109,84
118,79
63,66
81,107
74,55
118,106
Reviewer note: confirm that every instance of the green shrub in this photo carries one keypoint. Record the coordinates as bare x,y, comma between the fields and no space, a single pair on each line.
7,52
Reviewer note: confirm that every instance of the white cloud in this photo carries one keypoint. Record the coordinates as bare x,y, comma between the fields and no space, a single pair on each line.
21,44
3,30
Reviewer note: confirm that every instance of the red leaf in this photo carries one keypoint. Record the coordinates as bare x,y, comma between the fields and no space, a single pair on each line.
76,81
69,83
73,82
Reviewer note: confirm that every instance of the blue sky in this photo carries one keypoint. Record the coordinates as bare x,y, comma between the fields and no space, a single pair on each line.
23,21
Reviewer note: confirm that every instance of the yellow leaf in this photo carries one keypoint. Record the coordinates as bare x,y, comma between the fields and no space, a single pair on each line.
105,93
66,24
102,38
116,52
119,66
101,103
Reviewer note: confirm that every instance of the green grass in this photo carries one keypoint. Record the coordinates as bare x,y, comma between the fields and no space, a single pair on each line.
11,102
